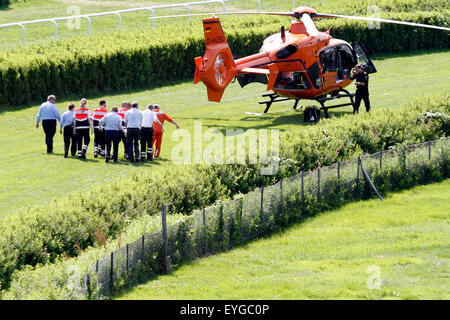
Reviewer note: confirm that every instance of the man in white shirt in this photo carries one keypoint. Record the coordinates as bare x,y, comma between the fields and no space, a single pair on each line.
111,125
133,121
148,117
66,122
48,113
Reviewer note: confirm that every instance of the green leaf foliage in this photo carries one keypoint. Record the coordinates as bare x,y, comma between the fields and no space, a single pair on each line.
42,234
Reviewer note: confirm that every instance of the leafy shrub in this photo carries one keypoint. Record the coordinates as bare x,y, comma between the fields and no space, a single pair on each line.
55,281
42,234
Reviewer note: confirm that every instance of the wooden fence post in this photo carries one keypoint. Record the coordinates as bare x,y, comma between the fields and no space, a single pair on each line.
128,260
262,199
87,283
280,203
303,188
318,185
404,159
142,249
111,272
381,159
164,237
204,230
339,170
281,190
357,172
429,150
96,271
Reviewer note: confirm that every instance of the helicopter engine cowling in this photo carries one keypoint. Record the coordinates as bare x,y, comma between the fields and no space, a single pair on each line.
216,69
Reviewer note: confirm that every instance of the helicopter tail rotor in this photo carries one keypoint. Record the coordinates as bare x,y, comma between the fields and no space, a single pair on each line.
216,68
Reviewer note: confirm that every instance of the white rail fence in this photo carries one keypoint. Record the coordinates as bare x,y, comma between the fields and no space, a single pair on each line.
118,13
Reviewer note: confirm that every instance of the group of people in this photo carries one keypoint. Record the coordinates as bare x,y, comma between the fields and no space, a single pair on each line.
126,124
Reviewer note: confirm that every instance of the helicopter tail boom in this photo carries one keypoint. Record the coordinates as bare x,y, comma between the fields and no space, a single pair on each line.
216,68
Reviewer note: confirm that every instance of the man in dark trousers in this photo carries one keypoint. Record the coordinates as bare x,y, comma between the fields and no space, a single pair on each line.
133,121
123,135
83,123
362,88
99,136
67,120
48,113
111,125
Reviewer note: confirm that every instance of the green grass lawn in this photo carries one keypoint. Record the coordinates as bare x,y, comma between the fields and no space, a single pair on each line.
29,176
44,32
400,244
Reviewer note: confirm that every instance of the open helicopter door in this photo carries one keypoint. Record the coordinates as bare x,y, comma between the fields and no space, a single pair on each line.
363,58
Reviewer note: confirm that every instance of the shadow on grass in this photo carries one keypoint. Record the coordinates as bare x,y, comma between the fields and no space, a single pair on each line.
98,94
120,162
273,120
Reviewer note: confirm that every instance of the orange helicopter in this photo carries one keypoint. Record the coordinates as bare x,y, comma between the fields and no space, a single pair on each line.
301,63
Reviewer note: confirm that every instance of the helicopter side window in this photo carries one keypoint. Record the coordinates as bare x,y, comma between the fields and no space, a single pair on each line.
329,60
346,61
287,51
346,55
298,81
314,75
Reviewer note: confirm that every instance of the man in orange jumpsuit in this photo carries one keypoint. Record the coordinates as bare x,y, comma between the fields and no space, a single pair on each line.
158,131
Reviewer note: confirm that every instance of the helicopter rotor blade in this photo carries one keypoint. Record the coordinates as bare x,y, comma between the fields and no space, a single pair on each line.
309,25
312,15
286,14
326,15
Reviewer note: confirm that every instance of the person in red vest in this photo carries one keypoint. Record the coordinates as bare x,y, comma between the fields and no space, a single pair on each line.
83,123
99,136
158,130
122,135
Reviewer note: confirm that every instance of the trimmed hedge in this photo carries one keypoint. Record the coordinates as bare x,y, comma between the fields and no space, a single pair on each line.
5,3
61,281
84,66
41,234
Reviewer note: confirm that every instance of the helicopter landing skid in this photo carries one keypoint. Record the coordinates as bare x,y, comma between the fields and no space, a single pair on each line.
337,96
274,98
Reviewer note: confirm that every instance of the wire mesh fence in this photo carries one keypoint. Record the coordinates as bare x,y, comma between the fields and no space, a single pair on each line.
229,223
